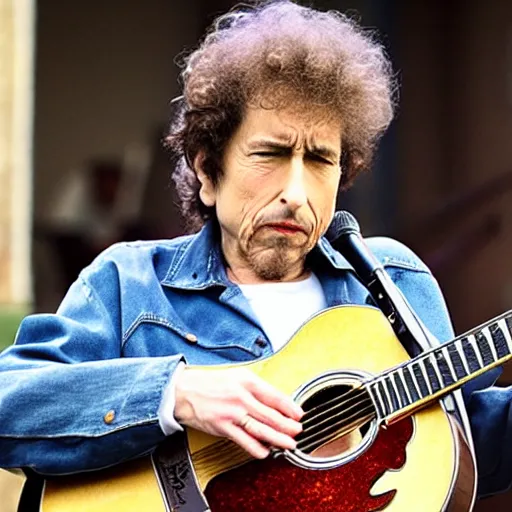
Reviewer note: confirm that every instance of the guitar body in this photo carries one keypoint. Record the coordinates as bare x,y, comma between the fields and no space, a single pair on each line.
419,463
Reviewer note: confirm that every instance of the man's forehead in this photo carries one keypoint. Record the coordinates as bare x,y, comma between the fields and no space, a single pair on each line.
288,125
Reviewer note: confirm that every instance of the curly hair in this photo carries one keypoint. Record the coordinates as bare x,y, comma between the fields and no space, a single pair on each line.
278,55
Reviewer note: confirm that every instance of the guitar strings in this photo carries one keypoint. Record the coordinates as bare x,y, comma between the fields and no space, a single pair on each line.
314,414
354,408
311,447
335,402
336,422
322,415
341,428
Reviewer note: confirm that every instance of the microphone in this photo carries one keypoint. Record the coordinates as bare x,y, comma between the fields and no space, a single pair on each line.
344,234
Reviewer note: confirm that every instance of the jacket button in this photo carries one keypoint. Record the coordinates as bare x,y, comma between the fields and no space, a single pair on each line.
109,417
191,337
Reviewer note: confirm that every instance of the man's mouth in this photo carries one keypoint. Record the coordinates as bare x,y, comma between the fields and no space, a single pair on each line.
287,228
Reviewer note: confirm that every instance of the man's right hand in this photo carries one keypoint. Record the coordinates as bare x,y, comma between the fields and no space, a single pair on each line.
237,404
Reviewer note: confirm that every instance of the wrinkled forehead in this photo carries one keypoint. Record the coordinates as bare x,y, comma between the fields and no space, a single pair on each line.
295,124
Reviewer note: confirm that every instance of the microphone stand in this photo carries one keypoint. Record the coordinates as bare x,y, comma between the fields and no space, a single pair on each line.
409,329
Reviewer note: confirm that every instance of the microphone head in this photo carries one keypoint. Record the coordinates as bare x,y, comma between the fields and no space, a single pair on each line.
342,223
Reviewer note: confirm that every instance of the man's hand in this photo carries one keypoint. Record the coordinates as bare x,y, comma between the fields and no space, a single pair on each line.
237,404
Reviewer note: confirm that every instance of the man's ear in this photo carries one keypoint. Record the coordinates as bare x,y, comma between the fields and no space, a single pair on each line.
207,190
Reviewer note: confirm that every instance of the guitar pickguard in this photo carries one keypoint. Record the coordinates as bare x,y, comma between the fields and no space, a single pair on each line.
276,485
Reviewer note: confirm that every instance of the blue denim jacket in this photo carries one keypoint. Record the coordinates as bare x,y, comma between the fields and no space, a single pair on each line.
81,389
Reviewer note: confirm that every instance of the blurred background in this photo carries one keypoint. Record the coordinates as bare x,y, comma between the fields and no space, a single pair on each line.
85,90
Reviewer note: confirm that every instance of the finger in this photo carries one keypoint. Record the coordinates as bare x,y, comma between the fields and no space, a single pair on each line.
267,434
247,442
275,398
271,417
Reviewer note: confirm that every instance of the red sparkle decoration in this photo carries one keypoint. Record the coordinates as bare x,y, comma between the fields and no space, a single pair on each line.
277,485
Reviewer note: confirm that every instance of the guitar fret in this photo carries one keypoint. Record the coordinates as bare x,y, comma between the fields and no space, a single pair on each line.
411,384
397,393
433,362
434,380
449,362
422,367
416,383
508,322
388,396
402,384
471,356
474,345
448,377
485,349
490,340
499,340
455,361
377,399
386,402
420,379
460,351
506,333
395,403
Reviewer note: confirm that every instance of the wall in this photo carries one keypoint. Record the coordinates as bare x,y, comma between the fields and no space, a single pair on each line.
105,75
455,124
455,127
482,129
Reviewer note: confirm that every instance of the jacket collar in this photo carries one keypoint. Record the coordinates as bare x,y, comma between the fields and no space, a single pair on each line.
199,264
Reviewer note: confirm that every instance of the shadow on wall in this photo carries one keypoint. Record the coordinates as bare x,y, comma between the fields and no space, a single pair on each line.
104,202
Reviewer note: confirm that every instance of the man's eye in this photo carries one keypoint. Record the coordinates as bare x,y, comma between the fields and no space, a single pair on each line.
320,159
267,153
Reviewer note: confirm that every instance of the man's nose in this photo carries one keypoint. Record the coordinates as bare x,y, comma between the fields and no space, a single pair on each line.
294,191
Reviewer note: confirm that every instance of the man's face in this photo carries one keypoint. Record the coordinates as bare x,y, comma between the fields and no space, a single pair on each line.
277,195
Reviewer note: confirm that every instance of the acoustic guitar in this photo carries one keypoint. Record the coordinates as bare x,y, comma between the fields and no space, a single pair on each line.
375,435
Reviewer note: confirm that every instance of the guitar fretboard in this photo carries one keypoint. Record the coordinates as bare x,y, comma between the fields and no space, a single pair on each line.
442,369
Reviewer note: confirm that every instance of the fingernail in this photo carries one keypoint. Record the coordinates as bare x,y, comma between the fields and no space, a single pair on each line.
298,410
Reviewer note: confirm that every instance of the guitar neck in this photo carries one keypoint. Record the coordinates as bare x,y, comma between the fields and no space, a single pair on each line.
418,382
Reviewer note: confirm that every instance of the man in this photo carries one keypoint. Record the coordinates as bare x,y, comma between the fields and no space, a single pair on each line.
282,106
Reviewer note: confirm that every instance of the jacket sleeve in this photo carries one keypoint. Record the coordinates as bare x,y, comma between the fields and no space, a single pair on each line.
68,401
488,406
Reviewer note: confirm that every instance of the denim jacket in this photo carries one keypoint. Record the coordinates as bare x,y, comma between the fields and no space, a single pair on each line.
81,389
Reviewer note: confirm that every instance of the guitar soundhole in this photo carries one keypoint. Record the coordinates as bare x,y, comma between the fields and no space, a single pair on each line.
336,419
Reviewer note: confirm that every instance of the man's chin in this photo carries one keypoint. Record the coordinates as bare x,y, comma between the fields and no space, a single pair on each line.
276,264
270,273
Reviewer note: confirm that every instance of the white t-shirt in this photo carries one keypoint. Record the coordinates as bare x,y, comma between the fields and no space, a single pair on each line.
282,308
